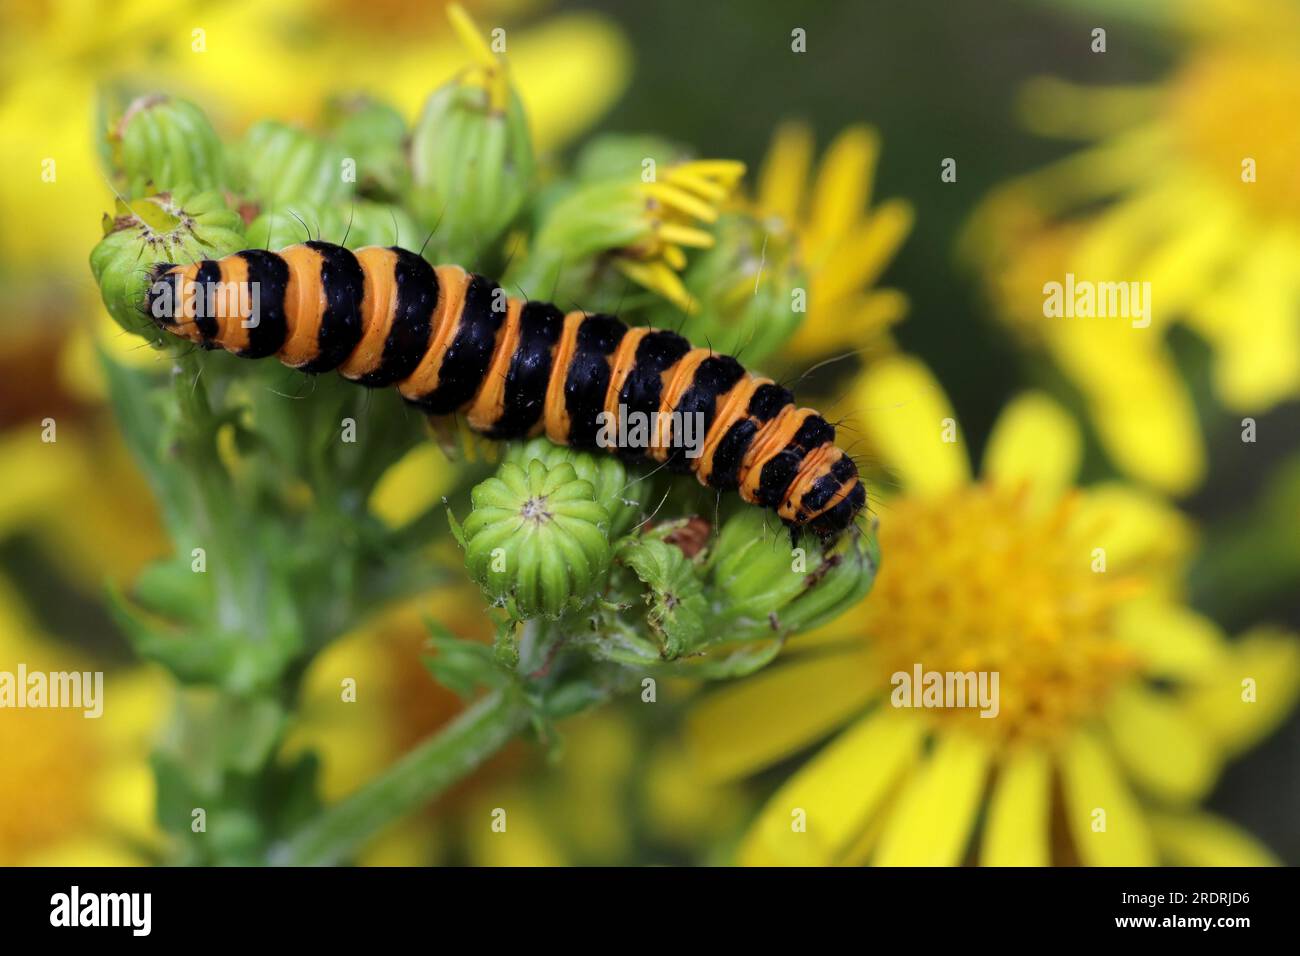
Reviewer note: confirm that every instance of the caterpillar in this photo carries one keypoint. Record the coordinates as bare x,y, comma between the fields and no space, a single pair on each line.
452,342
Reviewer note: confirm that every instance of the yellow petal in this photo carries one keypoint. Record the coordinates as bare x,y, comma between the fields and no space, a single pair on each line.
1163,750
1252,327
857,261
931,821
785,172
1252,692
1172,641
1137,529
1188,265
1138,402
686,236
725,171
858,322
842,188
411,485
1107,824
38,474
1018,828
680,200
1200,839
907,416
471,37
838,635
835,794
85,850
413,841
658,277
526,839
755,722
1035,442
678,806
1120,235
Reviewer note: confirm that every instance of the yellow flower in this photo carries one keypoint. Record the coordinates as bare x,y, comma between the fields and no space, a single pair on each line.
644,225
673,207
611,798
84,500
1116,704
837,238
1188,186
574,811
76,790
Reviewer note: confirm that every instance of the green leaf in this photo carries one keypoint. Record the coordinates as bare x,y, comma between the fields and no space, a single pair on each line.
678,608
462,666
190,657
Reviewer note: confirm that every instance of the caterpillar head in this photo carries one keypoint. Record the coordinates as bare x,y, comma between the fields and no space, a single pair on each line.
162,295
827,496
839,517
165,305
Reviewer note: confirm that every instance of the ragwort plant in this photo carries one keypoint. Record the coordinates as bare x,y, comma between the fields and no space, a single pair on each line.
600,577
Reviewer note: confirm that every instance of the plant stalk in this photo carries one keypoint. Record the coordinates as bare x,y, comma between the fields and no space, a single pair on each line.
432,767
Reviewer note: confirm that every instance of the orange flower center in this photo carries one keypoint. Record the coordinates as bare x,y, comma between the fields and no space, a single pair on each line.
978,583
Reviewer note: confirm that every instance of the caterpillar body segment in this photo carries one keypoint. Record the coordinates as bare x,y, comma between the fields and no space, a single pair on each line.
453,342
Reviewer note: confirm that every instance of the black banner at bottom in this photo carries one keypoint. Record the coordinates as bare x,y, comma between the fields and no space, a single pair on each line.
442,906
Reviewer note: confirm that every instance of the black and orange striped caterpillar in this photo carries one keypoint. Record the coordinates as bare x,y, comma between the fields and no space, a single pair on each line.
453,342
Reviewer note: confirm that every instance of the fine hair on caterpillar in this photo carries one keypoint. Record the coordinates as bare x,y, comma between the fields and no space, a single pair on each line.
453,342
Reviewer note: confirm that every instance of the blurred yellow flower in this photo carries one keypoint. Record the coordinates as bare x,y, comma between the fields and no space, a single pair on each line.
1135,398
837,238
397,704
1108,685
75,790
1190,187
688,194
82,499
70,483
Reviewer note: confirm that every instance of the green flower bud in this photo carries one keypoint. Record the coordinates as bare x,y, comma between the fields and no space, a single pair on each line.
843,577
362,223
162,143
745,288
761,582
537,541
373,134
281,164
171,227
607,475
472,167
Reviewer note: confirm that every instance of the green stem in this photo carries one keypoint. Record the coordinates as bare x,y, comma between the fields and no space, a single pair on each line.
426,771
